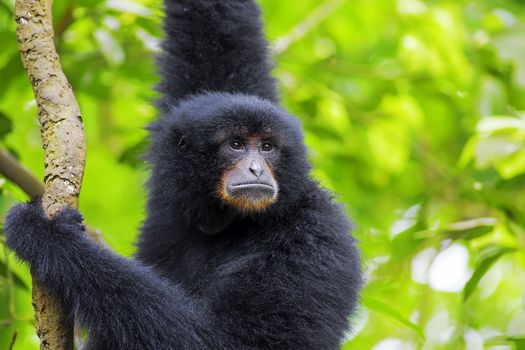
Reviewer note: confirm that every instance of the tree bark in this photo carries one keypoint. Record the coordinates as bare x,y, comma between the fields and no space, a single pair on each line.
63,140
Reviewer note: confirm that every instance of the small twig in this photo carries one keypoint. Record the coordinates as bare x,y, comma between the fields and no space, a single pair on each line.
19,175
317,16
13,339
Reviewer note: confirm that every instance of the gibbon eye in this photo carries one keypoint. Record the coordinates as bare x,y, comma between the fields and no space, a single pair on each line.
236,145
267,147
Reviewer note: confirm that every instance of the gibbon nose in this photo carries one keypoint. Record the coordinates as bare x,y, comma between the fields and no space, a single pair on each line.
256,168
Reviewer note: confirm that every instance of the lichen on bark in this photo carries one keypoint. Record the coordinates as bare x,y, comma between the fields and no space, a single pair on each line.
63,140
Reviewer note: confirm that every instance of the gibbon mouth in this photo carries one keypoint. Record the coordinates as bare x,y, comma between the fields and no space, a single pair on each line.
251,186
255,190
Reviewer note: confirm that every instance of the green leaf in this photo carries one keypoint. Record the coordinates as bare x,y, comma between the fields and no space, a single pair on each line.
470,229
500,123
488,259
386,309
518,341
513,165
468,152
491,150
407,243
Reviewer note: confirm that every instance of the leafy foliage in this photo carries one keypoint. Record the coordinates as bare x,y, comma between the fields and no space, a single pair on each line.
414,114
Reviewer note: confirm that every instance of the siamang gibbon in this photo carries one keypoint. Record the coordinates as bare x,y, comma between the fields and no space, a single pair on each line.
240,248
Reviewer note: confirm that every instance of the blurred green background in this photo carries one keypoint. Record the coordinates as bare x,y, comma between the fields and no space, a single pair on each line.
413,113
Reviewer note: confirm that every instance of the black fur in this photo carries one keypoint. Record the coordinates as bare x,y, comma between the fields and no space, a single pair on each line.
286,278
214,45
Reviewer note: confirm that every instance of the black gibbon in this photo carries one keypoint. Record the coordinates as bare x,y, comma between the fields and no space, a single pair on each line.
240,249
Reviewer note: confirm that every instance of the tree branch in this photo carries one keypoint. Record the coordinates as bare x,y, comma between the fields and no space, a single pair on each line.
63,140
13,340
20,176
317,16
16,173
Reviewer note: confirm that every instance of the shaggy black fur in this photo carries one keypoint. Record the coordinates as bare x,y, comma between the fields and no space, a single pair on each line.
285,278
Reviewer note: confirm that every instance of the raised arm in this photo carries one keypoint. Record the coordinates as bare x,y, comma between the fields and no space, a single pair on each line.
214,45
